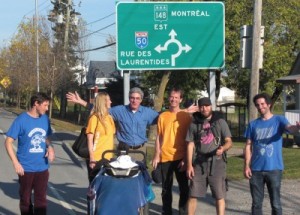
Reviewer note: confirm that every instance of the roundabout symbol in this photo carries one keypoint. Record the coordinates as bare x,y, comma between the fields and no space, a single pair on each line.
173,39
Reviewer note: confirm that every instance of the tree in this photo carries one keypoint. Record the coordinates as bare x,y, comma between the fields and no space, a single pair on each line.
191,81
20,58
66,36
20,66
280,42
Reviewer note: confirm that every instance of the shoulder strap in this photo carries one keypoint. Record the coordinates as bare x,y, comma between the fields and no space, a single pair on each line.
197,135
219,136
197,138
215,131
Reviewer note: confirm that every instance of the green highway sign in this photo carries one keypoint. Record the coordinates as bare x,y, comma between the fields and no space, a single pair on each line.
170,35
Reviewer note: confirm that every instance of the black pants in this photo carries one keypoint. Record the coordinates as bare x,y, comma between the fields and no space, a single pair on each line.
168,168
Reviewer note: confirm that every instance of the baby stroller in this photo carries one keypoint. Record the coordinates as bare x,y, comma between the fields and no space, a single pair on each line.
122,186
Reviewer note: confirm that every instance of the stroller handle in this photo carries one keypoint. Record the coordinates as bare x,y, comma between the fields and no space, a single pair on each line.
123,152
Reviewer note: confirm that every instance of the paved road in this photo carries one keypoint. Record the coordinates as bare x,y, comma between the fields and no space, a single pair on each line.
68,184
238,197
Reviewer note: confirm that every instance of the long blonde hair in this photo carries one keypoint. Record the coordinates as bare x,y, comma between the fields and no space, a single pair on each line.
100,109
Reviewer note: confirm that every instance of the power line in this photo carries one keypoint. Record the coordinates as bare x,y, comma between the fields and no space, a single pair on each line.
31,11
100,19
94,49
97,31
38,7
100,34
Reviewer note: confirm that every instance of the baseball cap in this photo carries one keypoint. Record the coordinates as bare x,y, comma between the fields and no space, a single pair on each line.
205,101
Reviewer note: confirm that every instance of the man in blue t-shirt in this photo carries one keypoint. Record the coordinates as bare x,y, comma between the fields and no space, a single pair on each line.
263,154
32,130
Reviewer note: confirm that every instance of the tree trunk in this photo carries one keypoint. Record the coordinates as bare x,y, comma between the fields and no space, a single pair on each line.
159,98
51,105
158,101
63,104
18,100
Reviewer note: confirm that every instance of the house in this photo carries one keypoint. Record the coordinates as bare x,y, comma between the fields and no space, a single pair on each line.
226,95
101,72
293,81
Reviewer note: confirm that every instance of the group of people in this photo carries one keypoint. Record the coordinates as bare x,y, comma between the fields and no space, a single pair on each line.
191,143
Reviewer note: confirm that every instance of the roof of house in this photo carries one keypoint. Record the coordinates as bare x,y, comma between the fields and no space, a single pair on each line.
290,79
294,76
101,69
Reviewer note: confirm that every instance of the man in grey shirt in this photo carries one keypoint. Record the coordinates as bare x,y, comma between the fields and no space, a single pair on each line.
209,136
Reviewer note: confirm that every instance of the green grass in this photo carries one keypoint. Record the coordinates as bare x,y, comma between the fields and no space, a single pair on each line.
291,157
235,165
235,168
150,153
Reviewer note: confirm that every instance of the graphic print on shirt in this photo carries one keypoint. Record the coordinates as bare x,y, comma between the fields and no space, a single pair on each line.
208,142
263,135
206,134
37,137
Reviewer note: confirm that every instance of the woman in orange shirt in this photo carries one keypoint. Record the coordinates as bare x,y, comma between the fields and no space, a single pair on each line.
100,132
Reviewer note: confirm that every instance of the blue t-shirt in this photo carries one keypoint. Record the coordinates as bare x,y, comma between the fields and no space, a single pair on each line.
266,137
132,127
31,134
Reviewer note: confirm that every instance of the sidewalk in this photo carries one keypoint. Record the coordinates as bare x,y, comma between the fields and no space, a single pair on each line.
234,151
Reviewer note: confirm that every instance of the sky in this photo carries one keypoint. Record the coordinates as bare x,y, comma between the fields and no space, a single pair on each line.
98,14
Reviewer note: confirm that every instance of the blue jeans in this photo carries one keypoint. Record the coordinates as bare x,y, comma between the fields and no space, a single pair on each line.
257,183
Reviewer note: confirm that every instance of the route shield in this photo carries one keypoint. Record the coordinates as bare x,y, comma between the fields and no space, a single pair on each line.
141,39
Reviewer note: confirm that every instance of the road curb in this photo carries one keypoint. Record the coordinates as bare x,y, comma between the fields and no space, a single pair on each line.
72,156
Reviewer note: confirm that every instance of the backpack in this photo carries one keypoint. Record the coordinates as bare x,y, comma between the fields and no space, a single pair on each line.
208,137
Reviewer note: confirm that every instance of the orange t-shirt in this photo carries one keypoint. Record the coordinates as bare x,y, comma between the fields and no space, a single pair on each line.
103,138
173,127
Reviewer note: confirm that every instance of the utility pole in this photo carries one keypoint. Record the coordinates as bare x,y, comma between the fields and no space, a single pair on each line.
37,47
63,103
254,80
66,39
